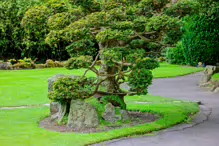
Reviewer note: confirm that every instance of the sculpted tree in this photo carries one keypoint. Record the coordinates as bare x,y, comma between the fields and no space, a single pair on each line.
122,29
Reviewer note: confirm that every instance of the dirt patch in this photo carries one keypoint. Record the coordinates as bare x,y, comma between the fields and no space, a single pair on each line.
136,118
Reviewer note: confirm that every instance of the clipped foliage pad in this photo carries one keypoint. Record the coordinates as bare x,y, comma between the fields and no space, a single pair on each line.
68,88
79,62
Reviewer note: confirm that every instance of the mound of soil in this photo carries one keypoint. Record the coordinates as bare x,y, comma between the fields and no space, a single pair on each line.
136,118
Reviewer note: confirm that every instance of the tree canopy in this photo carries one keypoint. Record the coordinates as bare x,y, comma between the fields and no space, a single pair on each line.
116,24
59,28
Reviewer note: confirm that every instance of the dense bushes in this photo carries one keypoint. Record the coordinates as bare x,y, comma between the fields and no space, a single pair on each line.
59,29
200,33
23,28
28,63
183,8
175,55
200,40
11,33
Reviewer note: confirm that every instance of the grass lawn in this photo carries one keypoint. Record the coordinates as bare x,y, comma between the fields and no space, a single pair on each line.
29,87
20,127
215,77
168,70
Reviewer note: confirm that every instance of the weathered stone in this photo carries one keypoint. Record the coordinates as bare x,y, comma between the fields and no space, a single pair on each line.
205,85
125,115
200,64
208,73
82,115
5,65
110,114
217,90
54,108
215,86
52,80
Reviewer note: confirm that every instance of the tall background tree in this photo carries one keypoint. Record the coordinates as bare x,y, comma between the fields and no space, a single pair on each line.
11,32
201,34
37,28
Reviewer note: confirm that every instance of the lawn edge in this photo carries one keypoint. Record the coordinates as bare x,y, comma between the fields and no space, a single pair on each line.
199,71
185,118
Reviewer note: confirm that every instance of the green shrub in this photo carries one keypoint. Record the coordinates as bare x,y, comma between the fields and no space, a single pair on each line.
115,100
68,88
26,63
12,61
59,64
161,59
183,8
175,55
139,80
50,63
40,66
147,63
141,76
79,62
200,40
99,62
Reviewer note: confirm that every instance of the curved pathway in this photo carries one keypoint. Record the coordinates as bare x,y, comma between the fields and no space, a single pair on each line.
183,88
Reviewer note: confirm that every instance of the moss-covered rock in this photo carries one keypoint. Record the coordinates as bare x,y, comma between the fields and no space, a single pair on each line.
82,115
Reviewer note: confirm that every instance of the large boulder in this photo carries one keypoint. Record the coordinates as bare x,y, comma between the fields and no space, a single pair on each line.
82,115
208,73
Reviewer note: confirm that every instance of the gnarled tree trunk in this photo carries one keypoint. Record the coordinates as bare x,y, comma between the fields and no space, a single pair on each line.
110,83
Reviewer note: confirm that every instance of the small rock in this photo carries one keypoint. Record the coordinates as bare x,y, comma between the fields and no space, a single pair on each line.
54,108
208,73
217,90
113,114
5,65
82,115
125,115
110,113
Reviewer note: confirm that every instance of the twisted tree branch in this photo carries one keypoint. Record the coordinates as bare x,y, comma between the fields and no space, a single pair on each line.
92,68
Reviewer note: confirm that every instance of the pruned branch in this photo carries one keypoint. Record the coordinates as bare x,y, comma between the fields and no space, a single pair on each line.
98,84
92,68
113,75
140,35
125,63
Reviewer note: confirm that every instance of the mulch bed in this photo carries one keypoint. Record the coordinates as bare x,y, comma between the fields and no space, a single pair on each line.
136,118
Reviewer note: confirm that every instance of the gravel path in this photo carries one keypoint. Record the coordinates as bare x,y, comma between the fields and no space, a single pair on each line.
183,88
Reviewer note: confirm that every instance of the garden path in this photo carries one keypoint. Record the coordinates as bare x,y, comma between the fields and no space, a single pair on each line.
183,88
